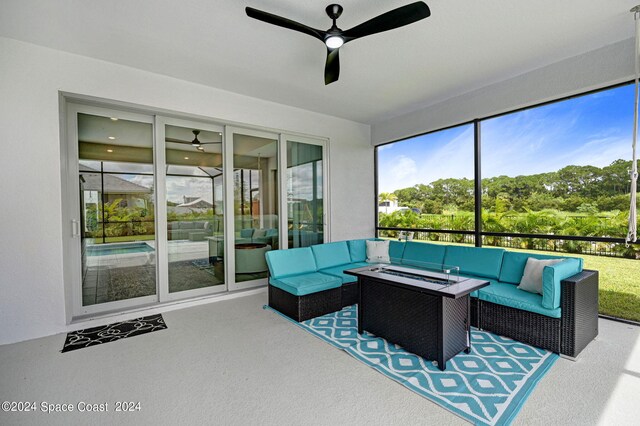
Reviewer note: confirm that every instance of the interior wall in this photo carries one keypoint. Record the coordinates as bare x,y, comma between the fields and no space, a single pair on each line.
31,273
593,70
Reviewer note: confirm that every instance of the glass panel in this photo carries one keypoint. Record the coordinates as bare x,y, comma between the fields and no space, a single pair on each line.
113,167
255,182
304,194
117,209
195,226
186,171
426,182
560,169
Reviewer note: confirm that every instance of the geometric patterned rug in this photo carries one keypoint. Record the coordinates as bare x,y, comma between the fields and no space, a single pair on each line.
110,333
486,387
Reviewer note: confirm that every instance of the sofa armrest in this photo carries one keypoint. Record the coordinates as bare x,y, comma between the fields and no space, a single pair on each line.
552,276
579,304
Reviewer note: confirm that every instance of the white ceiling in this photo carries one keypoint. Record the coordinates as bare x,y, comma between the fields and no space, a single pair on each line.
464,45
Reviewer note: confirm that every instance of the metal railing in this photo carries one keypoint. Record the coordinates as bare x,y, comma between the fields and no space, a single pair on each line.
598,246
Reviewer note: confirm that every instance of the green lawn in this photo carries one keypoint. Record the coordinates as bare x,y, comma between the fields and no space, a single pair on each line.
619,282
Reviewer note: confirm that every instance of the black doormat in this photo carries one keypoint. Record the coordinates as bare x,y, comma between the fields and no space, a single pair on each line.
112,332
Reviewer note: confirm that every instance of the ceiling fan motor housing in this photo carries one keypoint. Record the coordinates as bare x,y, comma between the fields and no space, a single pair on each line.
334,11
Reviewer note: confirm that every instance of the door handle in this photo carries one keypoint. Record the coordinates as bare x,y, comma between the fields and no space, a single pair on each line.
75,228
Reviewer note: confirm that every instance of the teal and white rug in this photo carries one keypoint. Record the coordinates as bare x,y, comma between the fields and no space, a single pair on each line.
486,387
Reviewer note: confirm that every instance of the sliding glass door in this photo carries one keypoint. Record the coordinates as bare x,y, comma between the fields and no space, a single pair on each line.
194,205
253,186
115,221
305,189
165,208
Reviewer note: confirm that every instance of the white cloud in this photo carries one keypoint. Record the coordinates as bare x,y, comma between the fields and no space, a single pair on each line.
179,187
454,159
402,173
544,140
142,180
598,152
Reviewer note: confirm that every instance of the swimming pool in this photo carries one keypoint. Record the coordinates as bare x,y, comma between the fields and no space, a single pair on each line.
120,248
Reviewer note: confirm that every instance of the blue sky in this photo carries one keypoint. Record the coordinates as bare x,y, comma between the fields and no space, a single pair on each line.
589,130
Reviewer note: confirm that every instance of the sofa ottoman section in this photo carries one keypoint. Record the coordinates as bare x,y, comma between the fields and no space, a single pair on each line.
302,308
296,289
306,296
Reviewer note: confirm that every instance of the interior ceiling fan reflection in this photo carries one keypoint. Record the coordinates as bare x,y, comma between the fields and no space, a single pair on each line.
196,143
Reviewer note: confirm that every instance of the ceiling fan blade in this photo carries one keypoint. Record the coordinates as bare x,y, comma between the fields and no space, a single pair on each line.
332,66
395,18
209,143
177,140
284,22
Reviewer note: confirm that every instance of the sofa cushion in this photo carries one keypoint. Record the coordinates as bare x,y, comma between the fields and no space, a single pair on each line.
285,263
532,278
259,233
303,284
552,275
337,271
509,295
331,254
271,232
483,262
513,264
396,251
246,233
423,254
475,293
358,250
187,225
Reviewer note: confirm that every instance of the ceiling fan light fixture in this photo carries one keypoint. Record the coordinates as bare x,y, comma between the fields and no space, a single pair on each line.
334,42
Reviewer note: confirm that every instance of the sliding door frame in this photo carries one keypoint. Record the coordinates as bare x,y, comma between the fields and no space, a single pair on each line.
162,243
284,212
71,105
72,197
229,228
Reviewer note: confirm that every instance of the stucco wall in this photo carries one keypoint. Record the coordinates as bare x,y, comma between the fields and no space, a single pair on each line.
599,68
32,301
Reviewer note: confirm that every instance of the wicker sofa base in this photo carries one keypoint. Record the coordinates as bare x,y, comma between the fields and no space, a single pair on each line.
302,308
523,326
350,294
567,335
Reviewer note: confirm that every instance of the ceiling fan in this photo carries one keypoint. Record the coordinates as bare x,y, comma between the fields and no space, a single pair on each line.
194,143
334,37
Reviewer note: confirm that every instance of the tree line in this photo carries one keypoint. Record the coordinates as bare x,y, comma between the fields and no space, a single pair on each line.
581,189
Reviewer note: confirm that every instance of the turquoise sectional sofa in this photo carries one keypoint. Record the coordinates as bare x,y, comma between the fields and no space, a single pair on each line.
309,282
